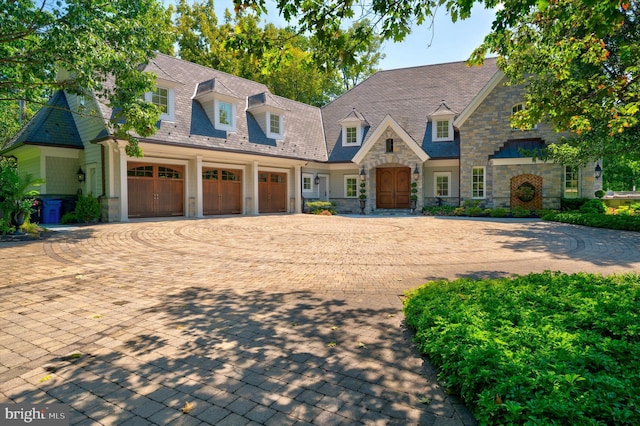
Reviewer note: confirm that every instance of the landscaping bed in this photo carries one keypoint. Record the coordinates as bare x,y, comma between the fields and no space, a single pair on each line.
544,348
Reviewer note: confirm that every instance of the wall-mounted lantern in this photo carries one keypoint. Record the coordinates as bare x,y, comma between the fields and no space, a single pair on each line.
598,171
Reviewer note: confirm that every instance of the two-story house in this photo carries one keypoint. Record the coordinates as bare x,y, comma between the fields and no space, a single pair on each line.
227,145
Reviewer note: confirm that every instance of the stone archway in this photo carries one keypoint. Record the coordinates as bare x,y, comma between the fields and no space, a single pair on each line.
526,191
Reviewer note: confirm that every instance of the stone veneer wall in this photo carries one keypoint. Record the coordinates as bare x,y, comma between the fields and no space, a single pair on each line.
484,132
110,207
402,156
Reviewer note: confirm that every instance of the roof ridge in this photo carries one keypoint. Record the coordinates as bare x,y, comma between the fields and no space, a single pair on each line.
212,69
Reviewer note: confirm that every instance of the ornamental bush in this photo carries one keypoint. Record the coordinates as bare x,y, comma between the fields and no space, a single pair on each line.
546,348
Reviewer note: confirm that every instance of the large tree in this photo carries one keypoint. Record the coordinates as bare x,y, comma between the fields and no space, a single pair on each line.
578,59
291,64
97,42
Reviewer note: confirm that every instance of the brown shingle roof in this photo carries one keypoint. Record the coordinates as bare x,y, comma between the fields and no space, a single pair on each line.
408,95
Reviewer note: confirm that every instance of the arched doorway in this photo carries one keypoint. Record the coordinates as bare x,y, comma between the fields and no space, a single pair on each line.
393,187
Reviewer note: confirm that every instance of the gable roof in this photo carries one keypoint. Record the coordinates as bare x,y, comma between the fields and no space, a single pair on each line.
53,125
408,95
389,122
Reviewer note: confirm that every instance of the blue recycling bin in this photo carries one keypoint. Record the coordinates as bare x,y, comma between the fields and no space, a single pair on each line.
51,211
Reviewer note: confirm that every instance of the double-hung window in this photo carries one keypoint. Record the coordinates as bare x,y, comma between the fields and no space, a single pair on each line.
225,115
478,182
307,185
442,129
274,123
352,135
571,182
351,186
163,98
442,184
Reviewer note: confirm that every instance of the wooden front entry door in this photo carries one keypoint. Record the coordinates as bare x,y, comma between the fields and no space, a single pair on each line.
272,192
155,190
393,188
221,191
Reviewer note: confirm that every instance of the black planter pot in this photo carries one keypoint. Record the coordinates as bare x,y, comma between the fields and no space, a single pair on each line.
18,220
413,204
363,204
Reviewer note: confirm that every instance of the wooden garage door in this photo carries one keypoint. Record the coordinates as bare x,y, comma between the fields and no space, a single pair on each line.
221,191
393,188
155,190
272,192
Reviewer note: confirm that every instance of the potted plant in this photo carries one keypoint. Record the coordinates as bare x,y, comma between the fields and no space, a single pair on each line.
16,197
414,196
363,197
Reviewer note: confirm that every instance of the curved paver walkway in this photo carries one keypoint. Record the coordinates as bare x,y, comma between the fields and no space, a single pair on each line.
255,320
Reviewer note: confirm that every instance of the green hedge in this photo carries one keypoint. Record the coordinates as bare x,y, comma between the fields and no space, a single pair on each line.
596,220
544,348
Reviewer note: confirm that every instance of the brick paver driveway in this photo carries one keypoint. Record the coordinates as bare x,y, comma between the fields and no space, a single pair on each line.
255,320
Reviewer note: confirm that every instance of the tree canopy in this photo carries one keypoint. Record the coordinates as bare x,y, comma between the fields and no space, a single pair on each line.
291,64
578,59
96,43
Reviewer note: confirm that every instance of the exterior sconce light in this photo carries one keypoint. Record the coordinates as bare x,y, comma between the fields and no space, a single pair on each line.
598,171
416,173
80,174
363,175
317,180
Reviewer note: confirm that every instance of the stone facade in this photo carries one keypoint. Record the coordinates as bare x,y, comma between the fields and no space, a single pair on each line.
402,156
485,132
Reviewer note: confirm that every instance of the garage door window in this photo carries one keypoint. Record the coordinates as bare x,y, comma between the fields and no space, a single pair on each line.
141,171
168,173
227,175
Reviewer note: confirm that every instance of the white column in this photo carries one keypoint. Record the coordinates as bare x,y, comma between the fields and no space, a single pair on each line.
124,192
199,186
298,189
256,202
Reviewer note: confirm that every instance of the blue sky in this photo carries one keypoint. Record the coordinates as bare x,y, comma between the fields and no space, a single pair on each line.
445,42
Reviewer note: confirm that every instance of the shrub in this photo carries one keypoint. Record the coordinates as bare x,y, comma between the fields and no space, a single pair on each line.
572,203
518,211
593,206
67,218
318,207
597,220
499,212
443,210
88,209
545,348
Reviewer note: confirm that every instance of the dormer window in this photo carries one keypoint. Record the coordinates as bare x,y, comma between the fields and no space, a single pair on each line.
219,102
225,115
353,126
442,129
269,113
351,135
442,123
274,130
163,98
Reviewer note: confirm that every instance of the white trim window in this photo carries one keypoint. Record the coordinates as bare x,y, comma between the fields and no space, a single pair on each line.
442,130
351,135
225,115
164,98
275,125
571,179
307,183
478,182
442,184
514,110
351,186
